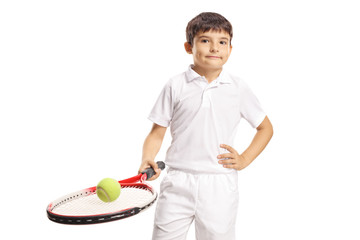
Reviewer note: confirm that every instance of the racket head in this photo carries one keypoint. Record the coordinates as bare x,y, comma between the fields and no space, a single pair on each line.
84,207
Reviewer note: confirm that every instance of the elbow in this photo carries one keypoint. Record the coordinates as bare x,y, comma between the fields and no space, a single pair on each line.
270,129
266,127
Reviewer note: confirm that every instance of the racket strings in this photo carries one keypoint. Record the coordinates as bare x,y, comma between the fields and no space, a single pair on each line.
90,204
72,197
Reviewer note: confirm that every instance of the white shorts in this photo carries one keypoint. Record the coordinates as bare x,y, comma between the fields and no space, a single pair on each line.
209,199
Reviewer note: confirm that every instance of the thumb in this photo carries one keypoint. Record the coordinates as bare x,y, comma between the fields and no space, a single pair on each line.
154,166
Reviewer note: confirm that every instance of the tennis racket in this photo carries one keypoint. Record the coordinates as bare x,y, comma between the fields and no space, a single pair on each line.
84,207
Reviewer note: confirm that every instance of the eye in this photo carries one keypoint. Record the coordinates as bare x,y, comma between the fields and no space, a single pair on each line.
204,41
223,42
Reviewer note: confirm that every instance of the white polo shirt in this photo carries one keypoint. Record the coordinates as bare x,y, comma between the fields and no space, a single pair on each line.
202,116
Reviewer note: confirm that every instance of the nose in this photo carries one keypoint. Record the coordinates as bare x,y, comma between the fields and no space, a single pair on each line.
214,48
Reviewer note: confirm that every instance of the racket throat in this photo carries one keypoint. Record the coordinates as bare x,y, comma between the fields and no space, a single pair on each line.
143,178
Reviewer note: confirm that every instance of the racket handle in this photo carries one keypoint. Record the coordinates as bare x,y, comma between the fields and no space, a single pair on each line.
150,171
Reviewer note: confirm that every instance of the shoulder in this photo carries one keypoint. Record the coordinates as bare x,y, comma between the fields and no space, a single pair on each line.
176,81
237,82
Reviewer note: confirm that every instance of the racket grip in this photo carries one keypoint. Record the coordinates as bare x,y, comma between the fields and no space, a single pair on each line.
150,171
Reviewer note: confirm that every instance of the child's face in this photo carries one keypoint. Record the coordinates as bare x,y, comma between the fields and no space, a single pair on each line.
210,50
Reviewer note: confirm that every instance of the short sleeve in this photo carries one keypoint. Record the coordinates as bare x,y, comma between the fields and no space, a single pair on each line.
251,109
162,111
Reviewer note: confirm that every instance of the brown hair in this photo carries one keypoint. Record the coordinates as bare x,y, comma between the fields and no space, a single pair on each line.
205,22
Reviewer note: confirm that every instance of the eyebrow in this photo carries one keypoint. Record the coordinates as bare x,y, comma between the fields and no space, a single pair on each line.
205,36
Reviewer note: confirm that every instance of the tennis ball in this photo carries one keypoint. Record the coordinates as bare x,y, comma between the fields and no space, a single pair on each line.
108,190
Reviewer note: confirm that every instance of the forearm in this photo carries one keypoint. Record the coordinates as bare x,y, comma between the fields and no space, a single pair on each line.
261,139
151,147
152,143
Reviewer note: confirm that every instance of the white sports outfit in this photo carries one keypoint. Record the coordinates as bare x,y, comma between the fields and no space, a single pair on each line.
201,116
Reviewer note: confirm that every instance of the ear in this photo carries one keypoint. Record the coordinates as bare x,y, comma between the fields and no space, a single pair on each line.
188,47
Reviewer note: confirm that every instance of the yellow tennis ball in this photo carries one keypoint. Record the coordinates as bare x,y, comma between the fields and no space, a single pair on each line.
108,190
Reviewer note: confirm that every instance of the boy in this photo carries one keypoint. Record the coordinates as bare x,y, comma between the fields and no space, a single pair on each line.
203,107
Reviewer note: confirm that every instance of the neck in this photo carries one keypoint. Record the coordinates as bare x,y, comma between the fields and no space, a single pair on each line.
209,74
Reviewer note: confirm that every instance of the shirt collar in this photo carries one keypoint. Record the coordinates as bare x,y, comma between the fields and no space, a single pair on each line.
192,75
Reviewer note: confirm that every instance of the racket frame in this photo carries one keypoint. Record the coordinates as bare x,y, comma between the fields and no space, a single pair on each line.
100,218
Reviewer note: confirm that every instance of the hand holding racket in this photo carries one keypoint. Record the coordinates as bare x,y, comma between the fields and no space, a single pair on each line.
84,207
146,165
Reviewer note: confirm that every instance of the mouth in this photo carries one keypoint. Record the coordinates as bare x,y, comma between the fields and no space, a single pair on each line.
213,57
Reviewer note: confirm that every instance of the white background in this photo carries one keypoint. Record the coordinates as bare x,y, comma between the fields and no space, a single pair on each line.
78,79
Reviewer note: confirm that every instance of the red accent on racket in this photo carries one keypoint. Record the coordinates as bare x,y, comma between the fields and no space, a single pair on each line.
84,207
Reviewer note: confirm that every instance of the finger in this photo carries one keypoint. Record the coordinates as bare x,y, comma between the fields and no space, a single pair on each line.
147,164
153,165
229,148
230,166
157,174
143,166
227,161
226,155
157,170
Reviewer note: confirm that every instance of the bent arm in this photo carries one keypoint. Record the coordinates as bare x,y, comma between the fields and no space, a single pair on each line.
261,139
151,148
